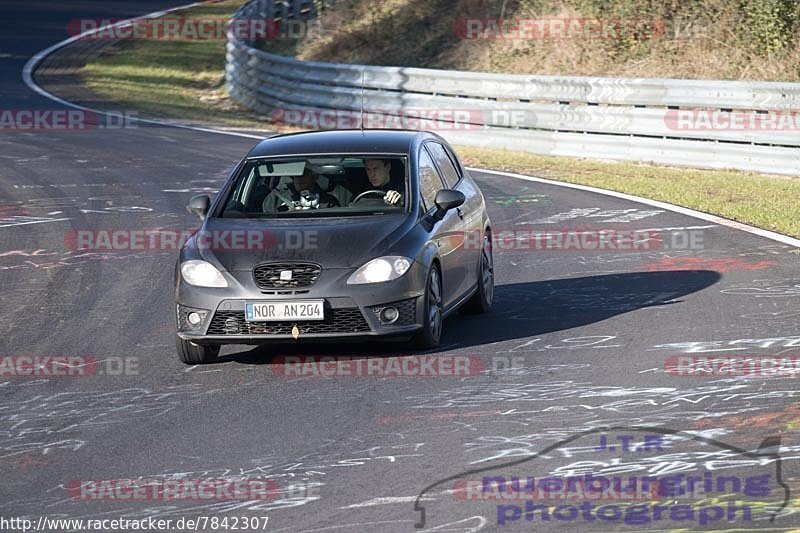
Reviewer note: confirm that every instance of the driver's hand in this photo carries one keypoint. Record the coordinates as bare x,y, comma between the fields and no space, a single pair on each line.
392,197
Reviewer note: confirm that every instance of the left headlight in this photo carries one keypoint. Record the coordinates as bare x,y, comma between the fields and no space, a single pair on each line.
202,274
380,269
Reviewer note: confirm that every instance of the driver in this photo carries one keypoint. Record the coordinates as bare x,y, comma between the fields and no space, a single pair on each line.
302,193
378,172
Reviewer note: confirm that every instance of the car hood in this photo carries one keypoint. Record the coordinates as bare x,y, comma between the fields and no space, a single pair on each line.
239,244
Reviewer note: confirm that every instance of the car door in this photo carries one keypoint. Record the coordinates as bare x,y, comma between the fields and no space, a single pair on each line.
447,234
471,212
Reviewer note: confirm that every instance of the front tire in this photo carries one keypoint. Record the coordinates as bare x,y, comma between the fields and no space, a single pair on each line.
431,332
196,354
481,301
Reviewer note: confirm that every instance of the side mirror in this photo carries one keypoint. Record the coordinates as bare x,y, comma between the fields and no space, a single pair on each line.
447,199
199,205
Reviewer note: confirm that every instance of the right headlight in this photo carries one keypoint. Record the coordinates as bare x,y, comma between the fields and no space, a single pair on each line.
380,269
202,274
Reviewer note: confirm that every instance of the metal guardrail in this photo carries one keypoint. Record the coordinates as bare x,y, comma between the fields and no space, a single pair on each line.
663,121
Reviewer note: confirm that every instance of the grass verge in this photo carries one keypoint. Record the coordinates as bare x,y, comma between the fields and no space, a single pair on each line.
767,202
184,80
176,79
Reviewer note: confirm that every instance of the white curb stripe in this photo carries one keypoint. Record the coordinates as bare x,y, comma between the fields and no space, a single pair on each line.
785,239
30,66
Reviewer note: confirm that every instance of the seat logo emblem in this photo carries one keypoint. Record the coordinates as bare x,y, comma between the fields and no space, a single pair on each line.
286,275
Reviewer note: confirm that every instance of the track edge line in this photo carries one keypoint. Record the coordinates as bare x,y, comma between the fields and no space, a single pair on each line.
772,235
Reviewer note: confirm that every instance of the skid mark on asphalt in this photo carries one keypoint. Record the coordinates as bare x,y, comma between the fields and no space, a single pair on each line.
721,264
44,423
12,221
765,288
48,259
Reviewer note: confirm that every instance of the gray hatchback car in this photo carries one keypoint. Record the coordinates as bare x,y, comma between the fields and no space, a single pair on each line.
335,234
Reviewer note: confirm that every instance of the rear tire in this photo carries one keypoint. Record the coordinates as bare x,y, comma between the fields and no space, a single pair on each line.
196,354
431,332
481,301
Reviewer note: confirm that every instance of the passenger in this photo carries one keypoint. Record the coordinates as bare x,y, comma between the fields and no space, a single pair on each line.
302,193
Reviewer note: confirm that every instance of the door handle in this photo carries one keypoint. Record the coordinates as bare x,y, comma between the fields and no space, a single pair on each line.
460,212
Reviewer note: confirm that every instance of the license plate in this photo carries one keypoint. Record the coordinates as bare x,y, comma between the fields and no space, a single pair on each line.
288,310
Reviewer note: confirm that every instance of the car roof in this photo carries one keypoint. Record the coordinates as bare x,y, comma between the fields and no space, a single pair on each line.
341,142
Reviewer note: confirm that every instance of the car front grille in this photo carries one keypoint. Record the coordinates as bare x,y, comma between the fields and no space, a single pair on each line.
346,320
268,276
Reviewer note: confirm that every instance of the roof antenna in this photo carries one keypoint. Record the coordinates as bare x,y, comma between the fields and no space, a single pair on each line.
362,101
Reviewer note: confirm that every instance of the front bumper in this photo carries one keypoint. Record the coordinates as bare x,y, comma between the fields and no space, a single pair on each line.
353,316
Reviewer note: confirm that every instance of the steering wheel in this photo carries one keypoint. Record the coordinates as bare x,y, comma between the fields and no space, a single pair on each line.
365,193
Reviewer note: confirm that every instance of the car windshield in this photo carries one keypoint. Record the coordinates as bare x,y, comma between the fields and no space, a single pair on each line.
318,186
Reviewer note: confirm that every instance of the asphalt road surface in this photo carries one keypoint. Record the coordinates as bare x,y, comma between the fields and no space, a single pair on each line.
579,339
